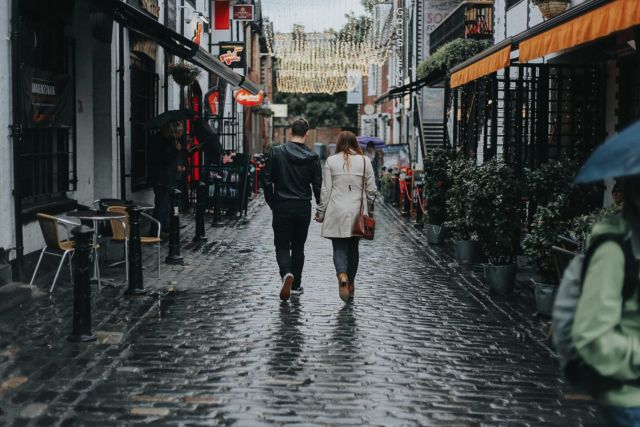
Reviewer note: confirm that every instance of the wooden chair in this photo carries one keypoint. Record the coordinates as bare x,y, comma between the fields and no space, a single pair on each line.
121,233
54,244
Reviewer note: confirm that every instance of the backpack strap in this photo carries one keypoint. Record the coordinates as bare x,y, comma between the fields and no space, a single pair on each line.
631,265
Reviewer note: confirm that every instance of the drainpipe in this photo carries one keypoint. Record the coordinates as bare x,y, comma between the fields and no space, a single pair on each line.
166,60
16,136
121,128
182,34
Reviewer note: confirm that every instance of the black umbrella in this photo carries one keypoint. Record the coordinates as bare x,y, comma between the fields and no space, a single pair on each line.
171,116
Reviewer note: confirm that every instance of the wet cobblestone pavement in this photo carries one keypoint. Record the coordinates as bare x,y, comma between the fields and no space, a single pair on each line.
421,345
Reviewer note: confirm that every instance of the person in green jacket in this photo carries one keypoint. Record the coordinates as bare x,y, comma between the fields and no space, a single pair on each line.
606,329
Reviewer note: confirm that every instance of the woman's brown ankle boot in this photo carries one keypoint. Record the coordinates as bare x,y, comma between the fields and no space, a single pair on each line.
343,286
352,290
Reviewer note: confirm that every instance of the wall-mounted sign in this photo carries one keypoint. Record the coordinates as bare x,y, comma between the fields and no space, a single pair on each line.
246,98
221,15
197,33
243,12
232,54
47,98
213,101
280,110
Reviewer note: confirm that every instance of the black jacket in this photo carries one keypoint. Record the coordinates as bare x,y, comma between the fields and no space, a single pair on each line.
164,160
291,173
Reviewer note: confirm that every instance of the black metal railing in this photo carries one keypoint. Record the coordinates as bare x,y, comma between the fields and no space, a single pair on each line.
470,20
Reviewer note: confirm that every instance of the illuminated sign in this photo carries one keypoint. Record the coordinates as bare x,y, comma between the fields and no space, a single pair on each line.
232,54
246,98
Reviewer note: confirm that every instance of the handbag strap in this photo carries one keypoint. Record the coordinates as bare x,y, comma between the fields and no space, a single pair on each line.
364,173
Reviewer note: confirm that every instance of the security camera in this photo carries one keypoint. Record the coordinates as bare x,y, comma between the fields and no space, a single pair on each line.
188,20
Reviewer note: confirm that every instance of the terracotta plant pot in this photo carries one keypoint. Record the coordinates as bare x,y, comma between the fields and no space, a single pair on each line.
552,8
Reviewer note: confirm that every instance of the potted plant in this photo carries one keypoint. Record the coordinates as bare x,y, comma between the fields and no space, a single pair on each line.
461,204
184,73
551,8
436,184
499,227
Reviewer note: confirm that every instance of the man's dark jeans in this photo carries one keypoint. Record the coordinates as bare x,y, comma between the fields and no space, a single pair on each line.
162,207
290,229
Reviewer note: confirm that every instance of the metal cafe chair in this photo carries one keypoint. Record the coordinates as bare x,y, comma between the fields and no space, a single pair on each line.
121,230
54,245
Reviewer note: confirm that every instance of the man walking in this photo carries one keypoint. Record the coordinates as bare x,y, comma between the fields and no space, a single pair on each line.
292,176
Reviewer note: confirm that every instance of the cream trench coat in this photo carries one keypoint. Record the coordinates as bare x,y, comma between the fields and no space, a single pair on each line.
341,194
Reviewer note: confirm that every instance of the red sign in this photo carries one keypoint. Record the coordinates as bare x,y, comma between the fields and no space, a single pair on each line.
213,98
197,33
221,13
243,12
232,54
246,98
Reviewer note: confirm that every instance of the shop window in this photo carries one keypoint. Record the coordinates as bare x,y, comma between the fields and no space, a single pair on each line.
144,106
629,91
46,159
511,3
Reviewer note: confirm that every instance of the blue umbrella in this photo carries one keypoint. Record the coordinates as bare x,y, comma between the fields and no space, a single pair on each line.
619,156
365,140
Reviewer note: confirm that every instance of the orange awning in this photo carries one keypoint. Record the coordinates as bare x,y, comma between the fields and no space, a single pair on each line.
481,68
601,22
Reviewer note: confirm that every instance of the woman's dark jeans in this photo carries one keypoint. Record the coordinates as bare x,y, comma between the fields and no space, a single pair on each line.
622,417
346,256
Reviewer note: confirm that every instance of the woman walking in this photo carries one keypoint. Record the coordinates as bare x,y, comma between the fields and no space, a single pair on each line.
340,202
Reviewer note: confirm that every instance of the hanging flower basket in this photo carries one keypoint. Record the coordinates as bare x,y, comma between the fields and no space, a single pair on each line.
551,8
184,74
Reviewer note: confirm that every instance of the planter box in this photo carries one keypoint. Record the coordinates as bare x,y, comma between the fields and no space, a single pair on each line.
467,251
435,234
545,295
500,278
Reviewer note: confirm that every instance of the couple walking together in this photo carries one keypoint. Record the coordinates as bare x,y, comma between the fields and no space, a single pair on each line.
293,175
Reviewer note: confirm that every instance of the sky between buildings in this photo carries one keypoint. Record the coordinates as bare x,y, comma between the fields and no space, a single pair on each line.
314,15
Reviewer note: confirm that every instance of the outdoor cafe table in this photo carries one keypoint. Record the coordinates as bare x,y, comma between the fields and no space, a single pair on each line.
134,209
96,216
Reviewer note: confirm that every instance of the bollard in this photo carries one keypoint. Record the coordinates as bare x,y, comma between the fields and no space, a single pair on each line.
216,203
136,280
174,256
81,286
201,205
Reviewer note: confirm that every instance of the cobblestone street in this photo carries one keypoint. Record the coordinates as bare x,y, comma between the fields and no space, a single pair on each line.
421,345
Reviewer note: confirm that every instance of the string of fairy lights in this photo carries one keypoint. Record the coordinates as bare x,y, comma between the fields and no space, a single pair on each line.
330,60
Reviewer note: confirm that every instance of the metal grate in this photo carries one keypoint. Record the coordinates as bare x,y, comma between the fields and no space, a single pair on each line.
47,165
144,106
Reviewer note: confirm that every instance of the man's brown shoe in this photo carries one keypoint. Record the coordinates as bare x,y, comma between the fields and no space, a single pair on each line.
343,286
285,292
352,290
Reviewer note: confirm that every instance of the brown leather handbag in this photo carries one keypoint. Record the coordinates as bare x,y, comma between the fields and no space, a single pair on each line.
365,225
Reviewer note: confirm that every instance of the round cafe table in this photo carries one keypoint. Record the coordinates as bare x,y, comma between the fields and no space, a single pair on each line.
134,208
95,217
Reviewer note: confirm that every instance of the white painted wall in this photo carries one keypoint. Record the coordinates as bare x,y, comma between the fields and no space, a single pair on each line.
6,153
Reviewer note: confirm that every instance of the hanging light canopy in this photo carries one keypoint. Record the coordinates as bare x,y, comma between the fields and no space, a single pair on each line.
330,61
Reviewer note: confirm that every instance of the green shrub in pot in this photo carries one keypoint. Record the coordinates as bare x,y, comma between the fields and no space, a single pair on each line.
498,223
463,198
436,185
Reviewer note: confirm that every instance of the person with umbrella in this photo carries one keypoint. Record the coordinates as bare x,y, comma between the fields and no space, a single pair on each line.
606,327
166,166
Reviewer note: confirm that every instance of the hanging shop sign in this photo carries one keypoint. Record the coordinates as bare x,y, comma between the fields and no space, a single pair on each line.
197,33
247,99
233,54
280,110
213,101
221,15
47,98
242,12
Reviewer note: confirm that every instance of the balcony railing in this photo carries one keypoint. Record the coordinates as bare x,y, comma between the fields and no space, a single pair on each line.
470,20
